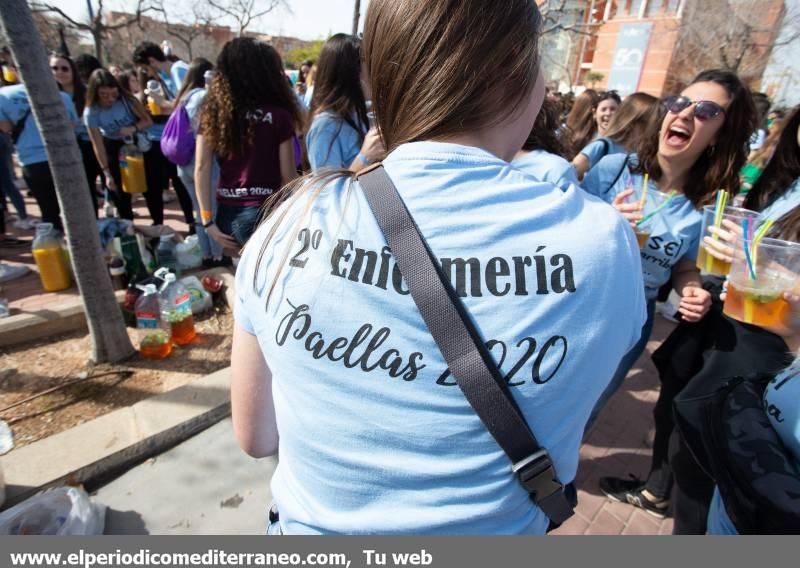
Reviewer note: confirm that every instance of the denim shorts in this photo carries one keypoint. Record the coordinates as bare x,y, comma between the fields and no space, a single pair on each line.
238,222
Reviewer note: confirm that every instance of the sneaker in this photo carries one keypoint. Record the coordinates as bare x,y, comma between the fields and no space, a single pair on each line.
26,224
630,491
12,272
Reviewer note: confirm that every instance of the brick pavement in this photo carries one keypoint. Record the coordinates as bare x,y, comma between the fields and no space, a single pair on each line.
618,444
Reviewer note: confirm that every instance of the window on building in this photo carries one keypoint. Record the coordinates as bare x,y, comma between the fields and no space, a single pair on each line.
655,7
636,8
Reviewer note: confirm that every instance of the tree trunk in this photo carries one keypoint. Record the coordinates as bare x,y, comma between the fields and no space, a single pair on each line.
97,35
356,16
110,342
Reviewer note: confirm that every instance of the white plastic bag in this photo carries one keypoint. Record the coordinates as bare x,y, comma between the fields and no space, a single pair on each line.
201,300
58,511
189,253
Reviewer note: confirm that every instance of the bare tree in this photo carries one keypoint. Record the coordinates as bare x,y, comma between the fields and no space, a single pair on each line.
737,35
562,16
244,12
356,16
110,340
194,25
96,23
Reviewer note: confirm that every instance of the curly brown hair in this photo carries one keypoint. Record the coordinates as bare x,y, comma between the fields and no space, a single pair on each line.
249,75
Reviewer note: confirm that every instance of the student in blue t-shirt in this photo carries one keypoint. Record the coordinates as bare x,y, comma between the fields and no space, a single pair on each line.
155,68
16,115
542,154
690,148
113,116
340,135
627,127
332,364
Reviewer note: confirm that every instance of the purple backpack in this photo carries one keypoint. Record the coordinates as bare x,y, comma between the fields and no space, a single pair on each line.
177,140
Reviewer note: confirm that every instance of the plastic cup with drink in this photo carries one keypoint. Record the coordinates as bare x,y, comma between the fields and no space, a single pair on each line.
651,203
714,252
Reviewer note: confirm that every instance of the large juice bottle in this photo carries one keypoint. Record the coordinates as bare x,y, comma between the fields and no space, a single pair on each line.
131,166
154,333
48,252
155,88
176,308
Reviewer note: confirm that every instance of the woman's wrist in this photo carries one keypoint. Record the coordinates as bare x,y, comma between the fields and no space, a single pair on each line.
364,159
206,217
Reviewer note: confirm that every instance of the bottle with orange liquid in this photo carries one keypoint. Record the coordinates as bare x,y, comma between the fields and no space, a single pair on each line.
176,307
51,259
154,88
154,333
131,167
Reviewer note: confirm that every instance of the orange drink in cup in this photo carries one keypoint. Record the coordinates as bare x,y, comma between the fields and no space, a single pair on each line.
707,263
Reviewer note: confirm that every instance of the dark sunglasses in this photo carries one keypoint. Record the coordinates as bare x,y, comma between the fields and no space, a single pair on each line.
703,110
63,68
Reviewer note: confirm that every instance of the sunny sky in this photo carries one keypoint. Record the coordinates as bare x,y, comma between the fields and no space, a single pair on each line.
308,19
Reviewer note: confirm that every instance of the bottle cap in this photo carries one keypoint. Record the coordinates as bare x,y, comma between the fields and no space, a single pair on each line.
43,228
148,289
152,85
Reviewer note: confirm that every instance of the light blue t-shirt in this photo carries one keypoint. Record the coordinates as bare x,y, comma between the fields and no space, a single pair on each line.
171,82
178,73
110,120
332,142
544,166
374,434
193,103
601,147
675,230
782,404
13,107
784,204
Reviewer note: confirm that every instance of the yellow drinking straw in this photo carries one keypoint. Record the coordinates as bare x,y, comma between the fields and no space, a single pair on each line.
643,200
719,214
757,238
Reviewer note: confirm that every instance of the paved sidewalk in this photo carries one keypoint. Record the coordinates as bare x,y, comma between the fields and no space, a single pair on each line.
207,485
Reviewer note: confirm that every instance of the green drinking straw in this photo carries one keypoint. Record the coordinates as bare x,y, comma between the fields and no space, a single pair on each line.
657,209
719,214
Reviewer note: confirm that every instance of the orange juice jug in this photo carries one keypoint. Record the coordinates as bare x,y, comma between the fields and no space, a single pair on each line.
154,88
131,167
48,252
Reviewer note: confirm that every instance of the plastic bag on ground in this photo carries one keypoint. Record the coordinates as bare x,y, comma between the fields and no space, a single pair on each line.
201,300
189,253
59,511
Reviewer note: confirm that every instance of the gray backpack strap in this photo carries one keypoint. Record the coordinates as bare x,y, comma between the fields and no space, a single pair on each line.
469,360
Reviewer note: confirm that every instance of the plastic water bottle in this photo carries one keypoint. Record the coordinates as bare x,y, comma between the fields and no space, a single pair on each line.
208,76
176,308
167,254
153,88
51,259
154,333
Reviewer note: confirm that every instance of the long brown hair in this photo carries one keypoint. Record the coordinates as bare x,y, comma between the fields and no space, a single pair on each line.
434,67
630,120
718,167
195,77
781,172
544,135
249,76
103,78
581,122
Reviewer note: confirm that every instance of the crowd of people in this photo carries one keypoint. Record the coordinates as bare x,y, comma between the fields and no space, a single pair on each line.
535,206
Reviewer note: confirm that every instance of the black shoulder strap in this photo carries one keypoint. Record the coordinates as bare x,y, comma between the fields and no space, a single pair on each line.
605,146
461,345
619,173
19,126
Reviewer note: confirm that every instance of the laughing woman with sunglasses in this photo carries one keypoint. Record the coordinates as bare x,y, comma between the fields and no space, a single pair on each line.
694,145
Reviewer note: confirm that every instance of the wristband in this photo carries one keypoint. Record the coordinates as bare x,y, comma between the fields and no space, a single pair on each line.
363,158
207,225
205,216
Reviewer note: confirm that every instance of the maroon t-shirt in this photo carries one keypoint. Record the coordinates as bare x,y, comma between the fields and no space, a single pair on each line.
248,179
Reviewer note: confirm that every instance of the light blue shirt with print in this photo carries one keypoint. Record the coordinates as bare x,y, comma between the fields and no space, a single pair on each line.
544,166
784,204
332,142
601,147
375,436
110,120
782,403
13,107
675,231
178,73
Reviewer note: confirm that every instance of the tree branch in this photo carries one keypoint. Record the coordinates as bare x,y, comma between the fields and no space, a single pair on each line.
45,8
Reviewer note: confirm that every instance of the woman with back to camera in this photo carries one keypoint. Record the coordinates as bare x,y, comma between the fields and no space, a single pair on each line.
112,116
623,133
65,72
331,360
692,147
249,118
340,135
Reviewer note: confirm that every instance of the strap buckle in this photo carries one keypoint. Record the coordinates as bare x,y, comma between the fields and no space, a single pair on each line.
538,475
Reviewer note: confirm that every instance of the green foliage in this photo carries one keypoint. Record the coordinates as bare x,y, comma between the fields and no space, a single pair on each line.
593,77
296,56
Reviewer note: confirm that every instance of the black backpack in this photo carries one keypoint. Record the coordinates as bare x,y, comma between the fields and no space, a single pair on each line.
729,434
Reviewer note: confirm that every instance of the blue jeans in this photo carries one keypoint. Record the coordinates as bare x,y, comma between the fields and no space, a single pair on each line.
7,186
626,364
238,222
208,246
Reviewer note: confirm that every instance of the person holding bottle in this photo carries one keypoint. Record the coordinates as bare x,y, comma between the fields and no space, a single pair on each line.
112,117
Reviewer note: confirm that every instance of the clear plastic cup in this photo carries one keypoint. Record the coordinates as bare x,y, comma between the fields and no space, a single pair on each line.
707,263
759,301
653,200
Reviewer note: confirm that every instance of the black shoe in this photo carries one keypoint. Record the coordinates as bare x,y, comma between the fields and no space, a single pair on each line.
630,491
223,262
